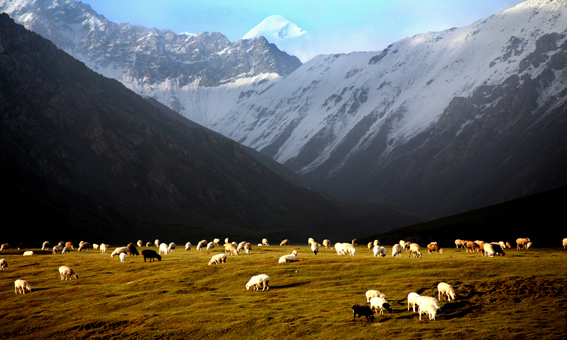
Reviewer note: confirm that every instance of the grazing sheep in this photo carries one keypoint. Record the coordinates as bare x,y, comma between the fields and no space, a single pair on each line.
103,248
70,245
148,244
5,246
96,246
285,242
122,257
412,298
202,244
132,249
354,242
488,250
216,259
369,245
446,289
58,249
326,243
378,303
257,281
85,246
216,241
361,311
265,242
415,250
171,247
376,242
374,293
156,242
240,246
340,248
119,251
28,253
248,248
471,246
230,248
433,247
188,246
150,254
429,305
210,245
349,248
460,243
163,249
3,264
379,251
522,242
402,244
310,240
288,258
67,273
21,286
397,250
502,244
315,247
140,243
66,250
45,245
498,249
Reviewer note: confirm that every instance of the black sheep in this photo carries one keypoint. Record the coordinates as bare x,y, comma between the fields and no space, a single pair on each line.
150,254
362,310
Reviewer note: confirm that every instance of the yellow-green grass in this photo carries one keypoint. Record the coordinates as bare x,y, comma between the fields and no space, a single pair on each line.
521,295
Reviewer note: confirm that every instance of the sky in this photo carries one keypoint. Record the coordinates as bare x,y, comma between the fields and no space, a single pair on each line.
334,26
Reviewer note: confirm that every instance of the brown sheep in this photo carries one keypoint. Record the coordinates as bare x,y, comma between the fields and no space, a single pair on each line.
69,244
230,248
285,242
522,242
470,245
433,247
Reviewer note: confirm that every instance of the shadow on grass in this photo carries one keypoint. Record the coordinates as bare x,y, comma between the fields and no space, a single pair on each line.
291,285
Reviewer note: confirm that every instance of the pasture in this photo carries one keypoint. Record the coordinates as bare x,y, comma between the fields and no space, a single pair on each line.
520,295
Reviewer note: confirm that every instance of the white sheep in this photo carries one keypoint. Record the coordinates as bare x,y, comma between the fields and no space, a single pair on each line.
188,246
163,249
315,247
202,244
140,243
374,293
119,250
21,286
402,244
257,281
412,298
288,258
122,257
379,250
340,249
216,259
57,249
156,242
3,264
326,243
265,242
210,245
45,245
429,305
28,253
103,248
446,289
96,246
171,247
216,241
66,273
415,250
488,250
240,246
378,304
349,248
310,241
565,243
66,250
396,250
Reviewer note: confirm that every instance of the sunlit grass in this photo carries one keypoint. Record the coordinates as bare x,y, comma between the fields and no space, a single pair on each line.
519,295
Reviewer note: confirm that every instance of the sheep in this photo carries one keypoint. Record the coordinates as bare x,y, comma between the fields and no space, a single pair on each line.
376,243
240,246
216,241
96,246
361,311
122,257
257,281
460,243
163,248
45,245
340,249
150,254
354,242
315,247
148,244
140,243
446,289
85,246
498,250
415,250
119,251
188,246
171,247
529,245
216,259
156,242
3,264
28,253
103,248
21,286
396,250
412,297
522,242
370,245
201,245
284,242
402,244
248,248
265,242
132,249
471,246
565,243
210,245
508,245
349,248
66,250
502,244
67,273
488,250
433,247
58,249
226,240
326,243
70,245
310,241
4,246
429,305
379,251
378,303
374,293
288,258
230,248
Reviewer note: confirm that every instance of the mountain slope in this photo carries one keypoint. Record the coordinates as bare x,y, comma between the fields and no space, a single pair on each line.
192,74
106,165
441,122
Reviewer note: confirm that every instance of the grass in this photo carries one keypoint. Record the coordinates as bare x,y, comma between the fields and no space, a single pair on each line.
521,295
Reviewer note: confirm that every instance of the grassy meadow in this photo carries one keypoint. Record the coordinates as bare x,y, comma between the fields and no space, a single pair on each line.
521,295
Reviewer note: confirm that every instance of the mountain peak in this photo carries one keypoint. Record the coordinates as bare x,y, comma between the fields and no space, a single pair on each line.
276,27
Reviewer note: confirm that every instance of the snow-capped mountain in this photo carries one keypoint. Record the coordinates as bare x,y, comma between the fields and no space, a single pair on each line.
357,124
191,73
283,33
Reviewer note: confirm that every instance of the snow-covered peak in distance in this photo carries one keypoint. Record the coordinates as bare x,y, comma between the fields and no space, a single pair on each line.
274,28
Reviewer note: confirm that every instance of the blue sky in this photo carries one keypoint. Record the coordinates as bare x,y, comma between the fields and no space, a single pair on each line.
337,26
